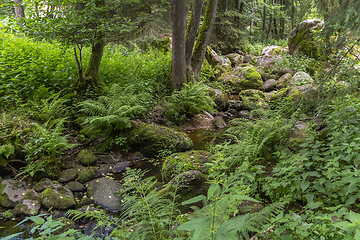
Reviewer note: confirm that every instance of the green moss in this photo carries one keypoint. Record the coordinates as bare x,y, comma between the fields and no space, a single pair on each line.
4,200
181,162
252,79
86,157
87,174
56,201
151,139
8,214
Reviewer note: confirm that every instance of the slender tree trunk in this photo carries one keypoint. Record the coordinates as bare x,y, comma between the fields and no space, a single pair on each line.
264,17
19,12
178,61
282,21
241,6
270,22
192,30
204,36
275,27
292,14
226,3
252,19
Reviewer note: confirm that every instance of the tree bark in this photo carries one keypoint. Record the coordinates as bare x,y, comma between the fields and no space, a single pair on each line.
92,71
252,19
264,17
270,22
178,61
292,14
192,30
19,12
204,36
282,20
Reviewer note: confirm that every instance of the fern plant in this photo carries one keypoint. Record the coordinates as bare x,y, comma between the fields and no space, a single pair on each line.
219,219
192,99
146,214
113,111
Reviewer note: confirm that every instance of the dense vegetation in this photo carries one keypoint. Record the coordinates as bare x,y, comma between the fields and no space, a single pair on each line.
289,170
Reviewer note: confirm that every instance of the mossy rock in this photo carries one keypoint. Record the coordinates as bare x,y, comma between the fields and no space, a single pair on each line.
8,214
302,39
243,77
277,97
235,58
57,197
86,157
43,184
253,99
87,174
68,175
150,139
185,161
302,78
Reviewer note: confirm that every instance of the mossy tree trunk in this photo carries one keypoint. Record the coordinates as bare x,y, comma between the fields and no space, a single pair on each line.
178,61
204,37
264,17
192,30
92,71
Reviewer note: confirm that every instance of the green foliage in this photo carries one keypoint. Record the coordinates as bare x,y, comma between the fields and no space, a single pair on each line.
300,63
254,143
147,71
146,214
113,111
192,99
44,145
219,217
27,66
49,228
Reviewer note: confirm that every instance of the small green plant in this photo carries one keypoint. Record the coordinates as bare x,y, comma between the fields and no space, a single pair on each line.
192,99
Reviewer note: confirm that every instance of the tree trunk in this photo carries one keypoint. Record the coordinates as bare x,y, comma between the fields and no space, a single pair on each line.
192,30
270,22
292,14
275,27
282,21
252,19
19,12
92,71
241,6
178,61
264,17
204,36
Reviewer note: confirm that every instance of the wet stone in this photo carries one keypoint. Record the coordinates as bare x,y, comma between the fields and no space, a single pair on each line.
108,158
75,186
42,185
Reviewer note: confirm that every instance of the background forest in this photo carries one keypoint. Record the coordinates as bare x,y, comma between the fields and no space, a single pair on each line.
109,94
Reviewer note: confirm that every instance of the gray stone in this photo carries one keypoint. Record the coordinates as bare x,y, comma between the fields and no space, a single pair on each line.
42,185
75,186
244,114
269,85
57,197
30,205
269,56
109,158
103,192
68,175
11,192
119,167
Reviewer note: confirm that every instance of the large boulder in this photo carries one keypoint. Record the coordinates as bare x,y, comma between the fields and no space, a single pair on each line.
242,78
181,162
11,192
43,184
235,58
302,39
57,197
88,174
68,175
150,139
103,192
